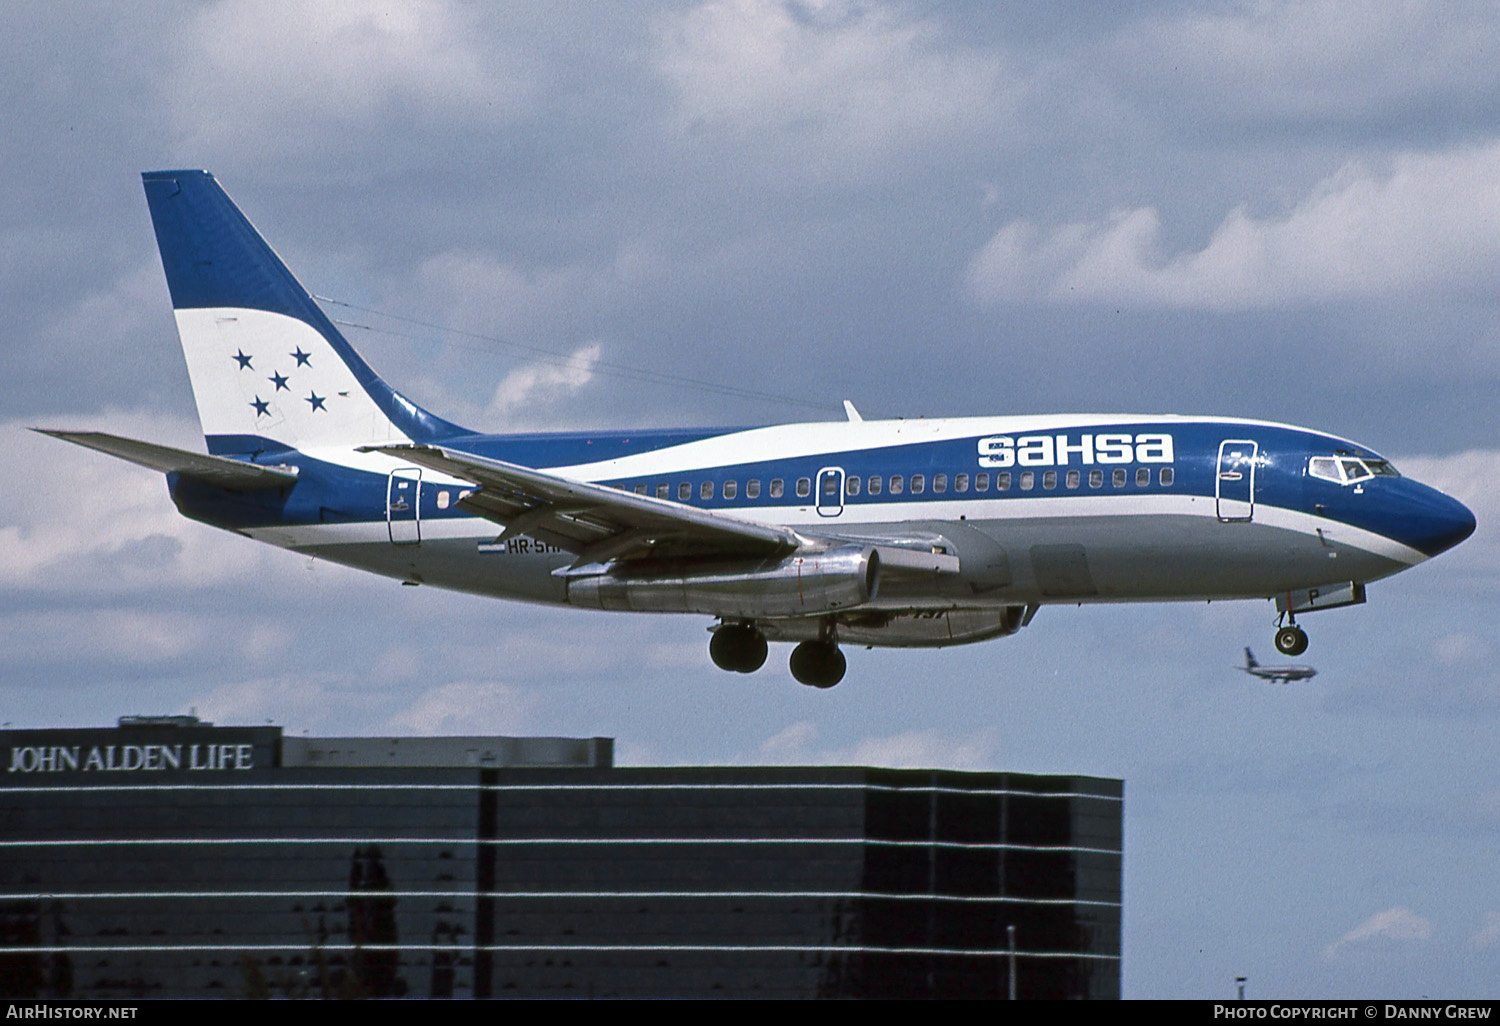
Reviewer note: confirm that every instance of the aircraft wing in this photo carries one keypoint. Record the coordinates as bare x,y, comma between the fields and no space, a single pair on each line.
596,523
220,471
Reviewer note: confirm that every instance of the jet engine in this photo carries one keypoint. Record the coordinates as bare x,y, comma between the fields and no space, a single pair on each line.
802,585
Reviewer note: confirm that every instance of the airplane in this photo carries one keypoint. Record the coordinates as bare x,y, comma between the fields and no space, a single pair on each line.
1277,674
913,532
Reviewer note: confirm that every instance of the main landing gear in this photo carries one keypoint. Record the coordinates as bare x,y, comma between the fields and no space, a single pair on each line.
1290,639
819,664
738,647
741,648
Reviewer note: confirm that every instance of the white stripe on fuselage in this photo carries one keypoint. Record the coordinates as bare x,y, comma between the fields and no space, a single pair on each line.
818,438
799,441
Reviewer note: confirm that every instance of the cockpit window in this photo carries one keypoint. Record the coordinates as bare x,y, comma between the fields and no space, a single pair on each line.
1325,467
1348,469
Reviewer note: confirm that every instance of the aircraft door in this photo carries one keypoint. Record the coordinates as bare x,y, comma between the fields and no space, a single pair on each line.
830,492
403,506
1234,482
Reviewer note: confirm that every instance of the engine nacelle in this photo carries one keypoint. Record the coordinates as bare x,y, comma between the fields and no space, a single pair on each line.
804,585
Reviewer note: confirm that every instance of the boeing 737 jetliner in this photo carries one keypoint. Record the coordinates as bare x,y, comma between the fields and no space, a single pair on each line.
890,533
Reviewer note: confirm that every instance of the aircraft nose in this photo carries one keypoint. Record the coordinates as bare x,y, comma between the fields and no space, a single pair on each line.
1437,521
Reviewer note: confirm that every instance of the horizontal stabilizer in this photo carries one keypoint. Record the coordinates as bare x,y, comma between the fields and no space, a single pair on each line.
595,522
219,471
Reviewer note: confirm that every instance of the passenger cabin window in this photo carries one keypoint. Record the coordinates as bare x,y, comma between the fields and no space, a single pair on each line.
981,482
851,484
1168,475
1096,478
706,490
663,491
898,484
1049,479
1002,482
731,489
960,482
875,482
640,489
1143,477
752,488
918,484
939,482
804,487
1118,477
684,492
778,488
1028,478
1073,479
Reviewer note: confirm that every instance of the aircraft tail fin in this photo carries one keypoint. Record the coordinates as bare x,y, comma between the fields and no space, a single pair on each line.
269,370
1250,662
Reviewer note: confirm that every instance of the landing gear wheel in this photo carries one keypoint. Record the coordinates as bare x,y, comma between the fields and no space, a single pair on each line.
818,664
738,647
1291,640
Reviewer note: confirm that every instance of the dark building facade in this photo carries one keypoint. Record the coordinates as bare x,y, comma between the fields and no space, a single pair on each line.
177,859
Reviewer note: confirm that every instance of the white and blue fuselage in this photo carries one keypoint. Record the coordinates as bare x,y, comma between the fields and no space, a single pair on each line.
894,532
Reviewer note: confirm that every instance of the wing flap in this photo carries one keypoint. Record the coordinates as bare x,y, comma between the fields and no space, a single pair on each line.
592,520
219,471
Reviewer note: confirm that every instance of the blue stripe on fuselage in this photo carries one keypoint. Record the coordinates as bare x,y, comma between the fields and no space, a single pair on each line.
329,493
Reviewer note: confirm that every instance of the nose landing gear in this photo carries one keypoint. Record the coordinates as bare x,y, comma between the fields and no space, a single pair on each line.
1290,639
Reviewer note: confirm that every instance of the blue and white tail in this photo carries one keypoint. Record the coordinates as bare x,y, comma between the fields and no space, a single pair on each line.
268,368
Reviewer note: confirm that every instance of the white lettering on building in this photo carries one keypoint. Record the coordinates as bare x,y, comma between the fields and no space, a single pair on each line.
129,758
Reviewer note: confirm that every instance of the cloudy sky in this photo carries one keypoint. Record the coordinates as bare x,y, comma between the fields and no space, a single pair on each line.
734,212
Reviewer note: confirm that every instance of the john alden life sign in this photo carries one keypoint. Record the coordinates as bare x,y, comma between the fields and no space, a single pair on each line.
56,756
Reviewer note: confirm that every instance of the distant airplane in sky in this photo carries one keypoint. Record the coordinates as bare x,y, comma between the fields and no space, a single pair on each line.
1278,674
877,533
